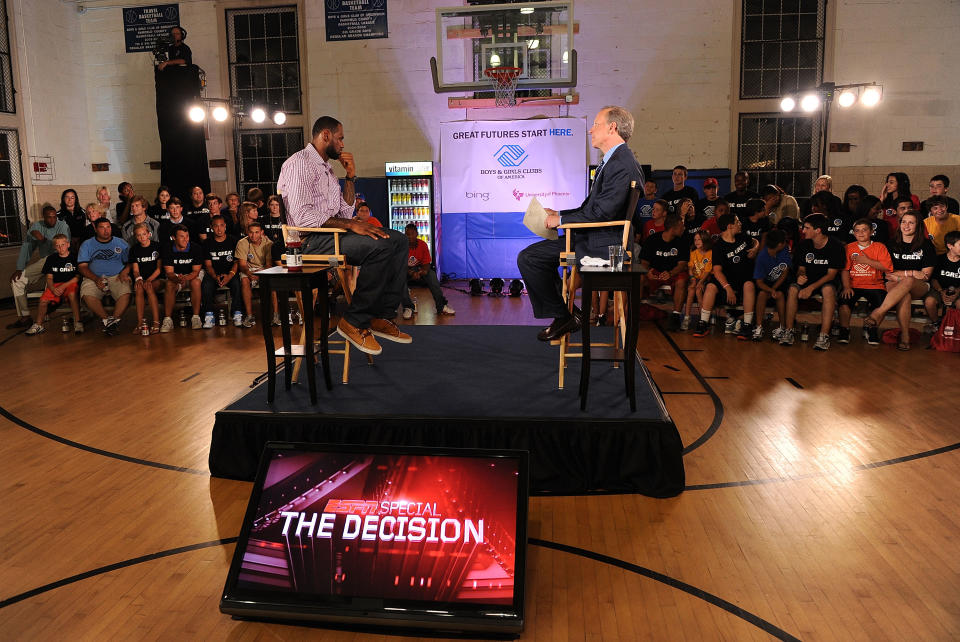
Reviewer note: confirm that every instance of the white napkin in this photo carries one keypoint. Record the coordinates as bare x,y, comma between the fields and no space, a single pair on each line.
594,261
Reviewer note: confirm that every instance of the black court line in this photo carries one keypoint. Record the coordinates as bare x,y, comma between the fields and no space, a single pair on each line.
691,349
671,368
716,377
795,383
113,567
717,404
710,598
15,334
96,451
190,377
858,468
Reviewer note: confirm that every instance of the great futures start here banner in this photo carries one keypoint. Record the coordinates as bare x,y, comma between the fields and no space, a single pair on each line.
498,166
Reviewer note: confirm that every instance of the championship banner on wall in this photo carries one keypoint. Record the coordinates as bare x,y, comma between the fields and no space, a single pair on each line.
497,166
489,171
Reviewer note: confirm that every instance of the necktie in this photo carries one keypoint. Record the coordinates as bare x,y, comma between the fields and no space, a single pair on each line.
596,174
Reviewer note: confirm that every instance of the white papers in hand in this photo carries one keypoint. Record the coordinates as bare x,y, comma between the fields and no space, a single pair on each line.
535,219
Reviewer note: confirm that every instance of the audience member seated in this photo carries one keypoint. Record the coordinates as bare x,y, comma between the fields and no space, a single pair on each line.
273,223
665,256
158,211
680,190
72,214
691,218
817,261
103,262
896,185
420,272
940,223
711,226
871,208
823,188
730,283
939,185
945,283
778,204
770,277
839,223
60,272
183,261
231,214
657,216
175,218
252,254
95,212
741,194
138,216
103,199
248,214
215,205
221,268
364,215
913,259
645,205
700,267
901,206
862,277
707,204
256,196
126,194
852,199
146,270
791,231
754,221
29,276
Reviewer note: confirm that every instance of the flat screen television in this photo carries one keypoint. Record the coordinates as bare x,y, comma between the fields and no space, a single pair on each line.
431,538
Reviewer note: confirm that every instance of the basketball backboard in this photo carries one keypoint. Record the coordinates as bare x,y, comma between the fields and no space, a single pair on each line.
536,37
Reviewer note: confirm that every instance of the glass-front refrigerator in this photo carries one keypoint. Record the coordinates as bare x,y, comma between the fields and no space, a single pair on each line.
410,195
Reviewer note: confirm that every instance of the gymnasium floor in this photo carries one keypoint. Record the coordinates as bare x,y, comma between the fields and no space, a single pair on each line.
821,500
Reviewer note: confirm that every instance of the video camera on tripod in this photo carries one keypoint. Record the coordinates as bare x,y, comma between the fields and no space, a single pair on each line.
160,49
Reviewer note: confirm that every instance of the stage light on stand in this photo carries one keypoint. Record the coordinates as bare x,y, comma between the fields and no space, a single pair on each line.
496,287
220,113
476,287
197,114
516,287
870,96
810,102
279,117
788,103
258,115
847,98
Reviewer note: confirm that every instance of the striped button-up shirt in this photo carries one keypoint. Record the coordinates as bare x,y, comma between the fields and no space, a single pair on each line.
310,190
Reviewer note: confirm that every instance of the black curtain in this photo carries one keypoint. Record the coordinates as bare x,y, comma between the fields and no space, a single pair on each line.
183,149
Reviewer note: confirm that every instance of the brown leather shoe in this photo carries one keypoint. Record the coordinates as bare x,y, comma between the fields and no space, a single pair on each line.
388,330
361,339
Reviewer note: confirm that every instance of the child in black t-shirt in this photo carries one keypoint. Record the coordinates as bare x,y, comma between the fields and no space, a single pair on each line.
146,270
945,283
62,277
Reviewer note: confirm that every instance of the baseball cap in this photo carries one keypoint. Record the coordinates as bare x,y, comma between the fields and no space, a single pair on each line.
711,182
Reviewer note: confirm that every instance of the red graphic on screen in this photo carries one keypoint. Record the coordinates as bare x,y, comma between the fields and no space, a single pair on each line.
439,529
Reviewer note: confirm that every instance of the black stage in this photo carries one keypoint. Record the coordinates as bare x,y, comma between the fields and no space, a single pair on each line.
473,387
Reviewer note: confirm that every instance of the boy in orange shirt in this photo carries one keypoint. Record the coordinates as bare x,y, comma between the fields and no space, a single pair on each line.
863,277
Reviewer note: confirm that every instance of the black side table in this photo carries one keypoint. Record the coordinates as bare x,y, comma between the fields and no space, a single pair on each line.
280,280
629,281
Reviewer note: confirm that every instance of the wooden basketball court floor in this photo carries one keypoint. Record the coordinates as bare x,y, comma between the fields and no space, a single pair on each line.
822,498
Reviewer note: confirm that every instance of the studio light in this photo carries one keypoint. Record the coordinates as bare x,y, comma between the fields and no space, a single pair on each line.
494,60
787,104
533,44
496,287
516,287
526,10
476,287
279,117
847,98
810,102
258,115
870,97
197,114
220,113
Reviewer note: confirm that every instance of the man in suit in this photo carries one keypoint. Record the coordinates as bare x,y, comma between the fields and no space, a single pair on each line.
607,201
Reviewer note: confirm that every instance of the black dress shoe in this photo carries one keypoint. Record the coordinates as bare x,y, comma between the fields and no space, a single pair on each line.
559,327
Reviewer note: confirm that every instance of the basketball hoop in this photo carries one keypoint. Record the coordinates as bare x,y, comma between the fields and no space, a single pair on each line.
504,81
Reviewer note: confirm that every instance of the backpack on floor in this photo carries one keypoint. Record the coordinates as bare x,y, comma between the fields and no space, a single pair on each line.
947,338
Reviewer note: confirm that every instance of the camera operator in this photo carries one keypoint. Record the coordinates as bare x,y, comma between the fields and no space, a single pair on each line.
178,53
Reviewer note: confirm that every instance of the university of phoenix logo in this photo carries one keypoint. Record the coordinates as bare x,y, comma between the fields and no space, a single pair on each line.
511,155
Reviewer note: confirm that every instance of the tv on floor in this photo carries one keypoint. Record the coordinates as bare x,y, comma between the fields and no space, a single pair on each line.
431,538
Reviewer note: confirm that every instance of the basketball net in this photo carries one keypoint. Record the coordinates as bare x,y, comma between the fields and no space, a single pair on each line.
504,81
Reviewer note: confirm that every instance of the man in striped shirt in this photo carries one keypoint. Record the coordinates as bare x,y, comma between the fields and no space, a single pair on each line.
312,197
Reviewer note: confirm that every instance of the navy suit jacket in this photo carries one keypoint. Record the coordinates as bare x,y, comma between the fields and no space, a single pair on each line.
605,202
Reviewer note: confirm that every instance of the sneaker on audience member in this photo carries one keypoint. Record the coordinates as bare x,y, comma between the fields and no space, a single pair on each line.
843,335
209,321
276,319
823,342
446,309
249,321
777,333
35,328
167,325
388,330
757,333
703,329
237,319
407,313
729,327
786,339
195,322
685,324
78,327
872,335
675,320
746,332
111,326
